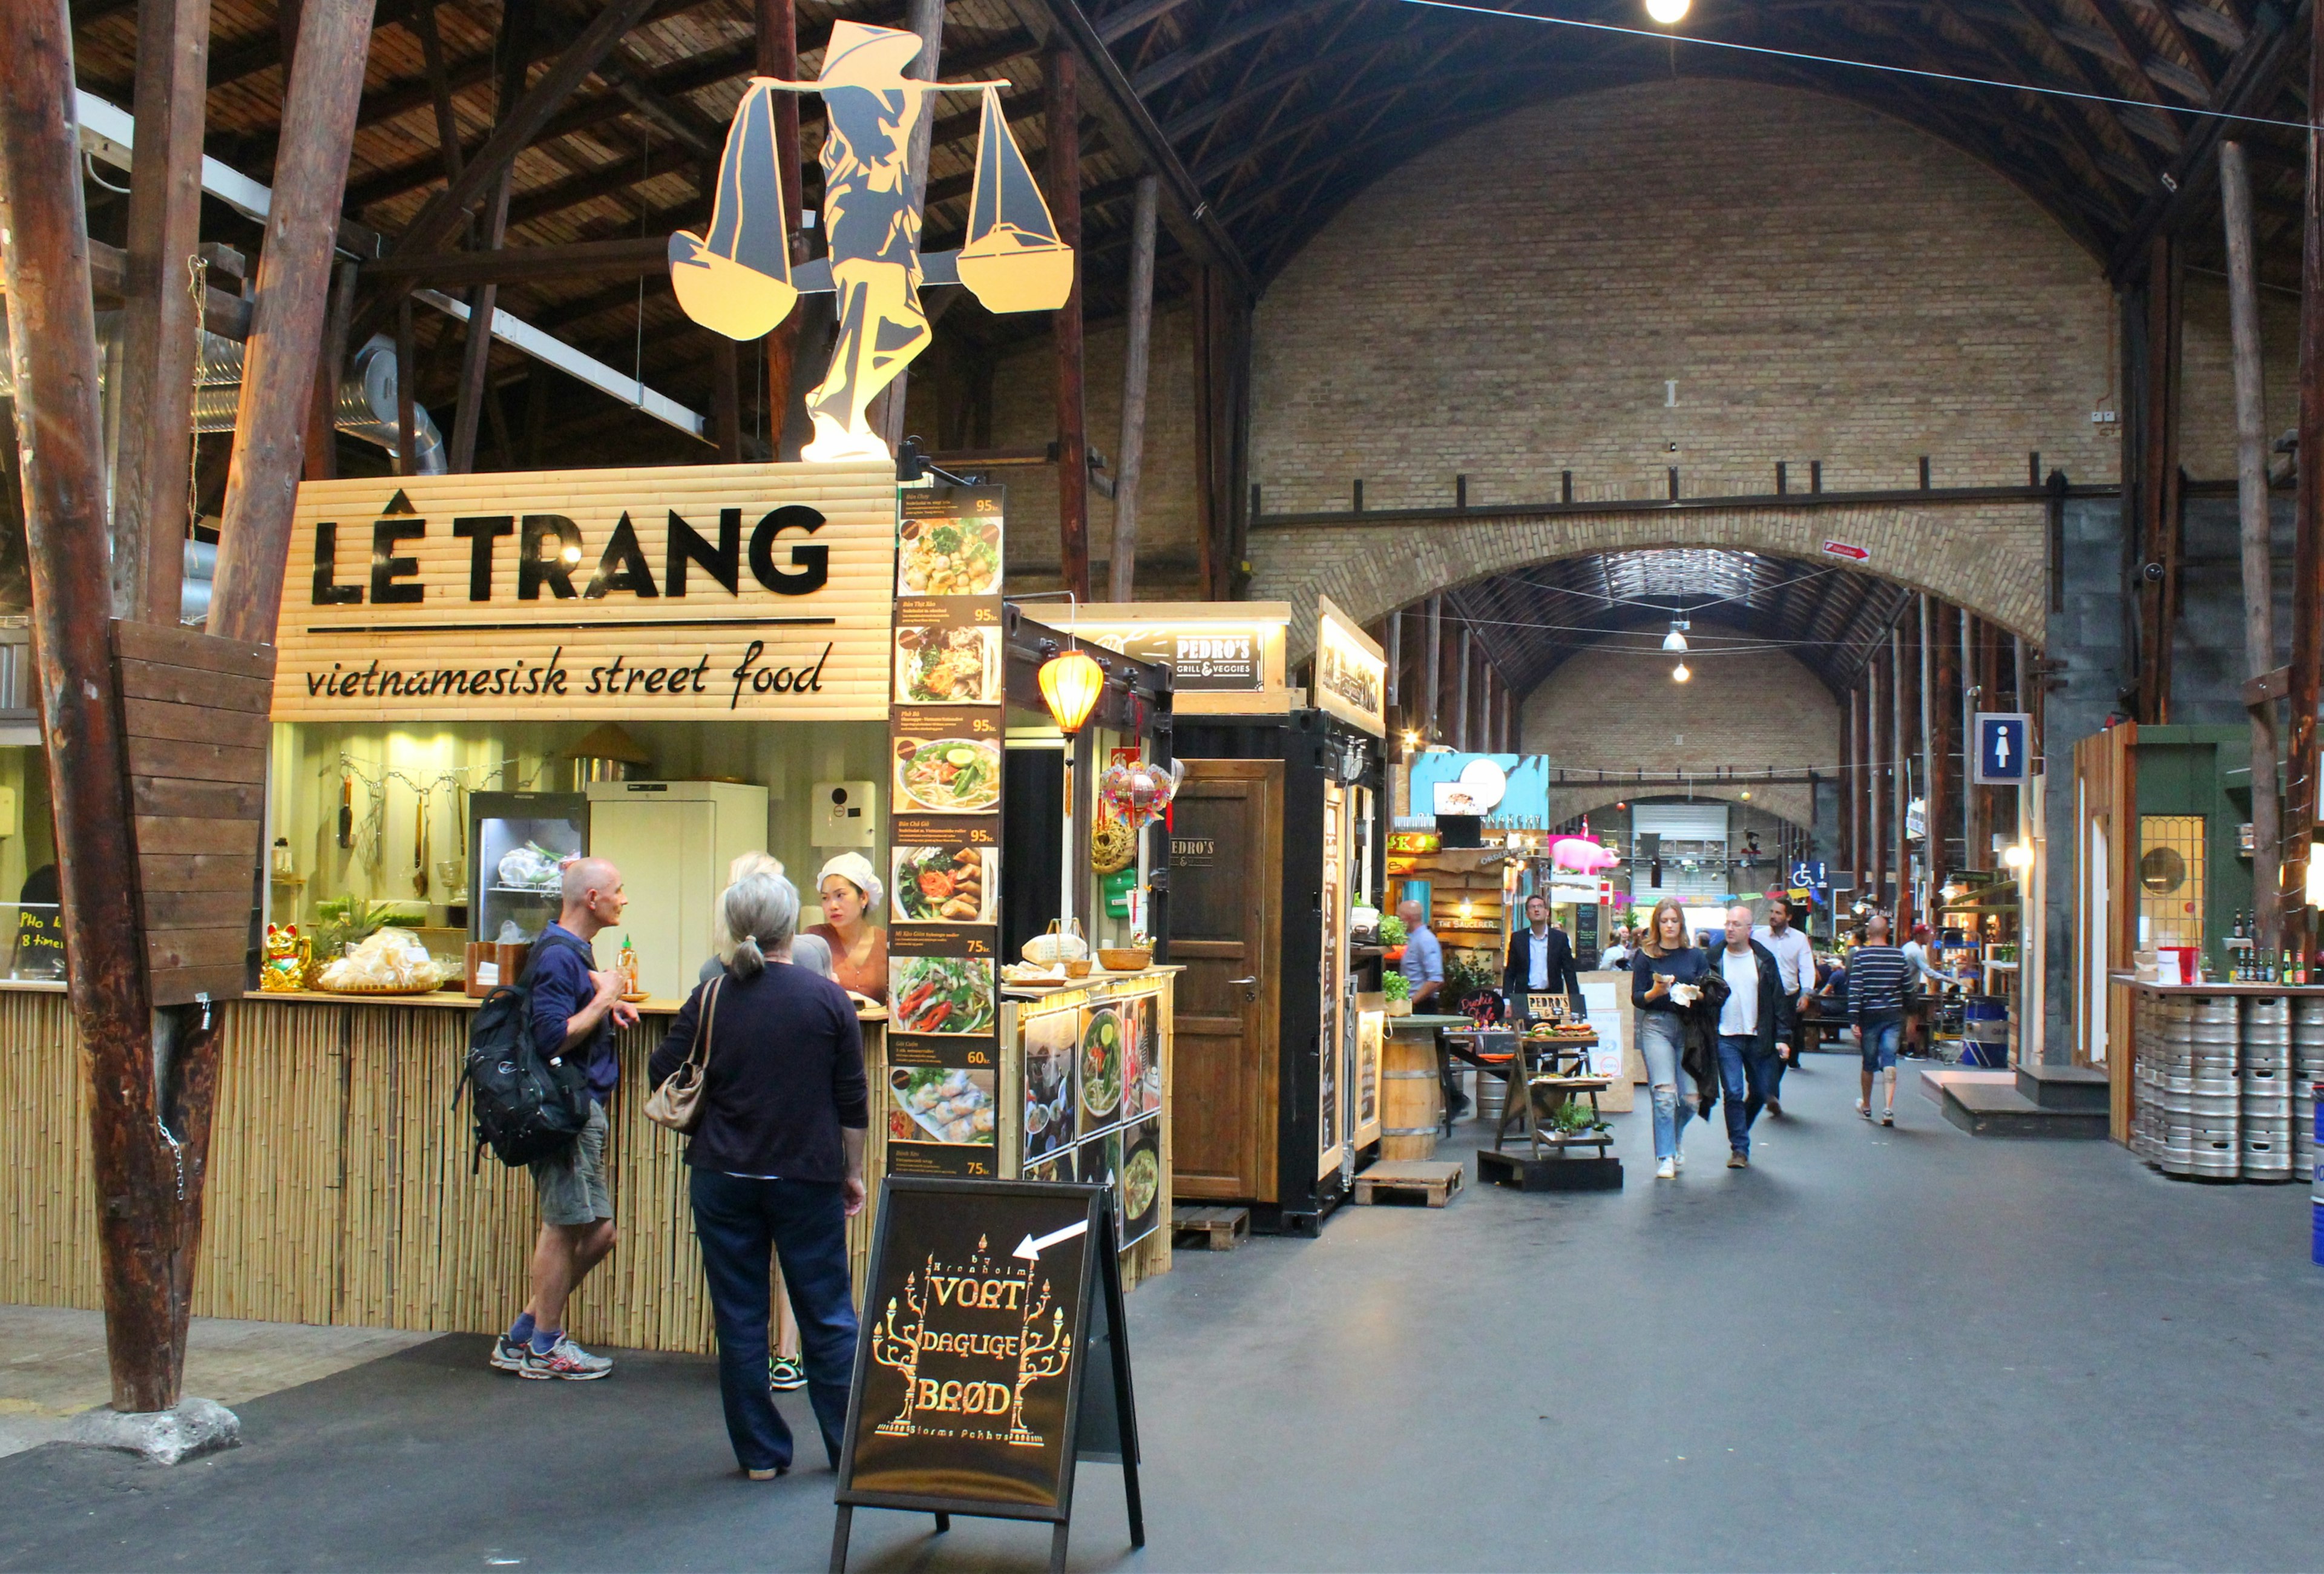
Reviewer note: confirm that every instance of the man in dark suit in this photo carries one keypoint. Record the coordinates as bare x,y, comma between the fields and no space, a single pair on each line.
1540,962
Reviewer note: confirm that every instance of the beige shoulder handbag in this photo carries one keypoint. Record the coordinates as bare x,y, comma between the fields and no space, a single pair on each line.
677,1102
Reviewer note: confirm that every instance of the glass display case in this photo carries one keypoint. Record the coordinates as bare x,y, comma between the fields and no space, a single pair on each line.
516,843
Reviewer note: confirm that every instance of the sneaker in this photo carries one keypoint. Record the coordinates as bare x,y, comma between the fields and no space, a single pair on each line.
1667,1170
1775,1107
1737,1160
1678,1160
767,1474
1889,1117
508,1354
785,1374
566,1360
1864,1109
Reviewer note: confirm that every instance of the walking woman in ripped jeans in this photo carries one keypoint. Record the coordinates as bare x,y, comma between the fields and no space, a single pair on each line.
1665,972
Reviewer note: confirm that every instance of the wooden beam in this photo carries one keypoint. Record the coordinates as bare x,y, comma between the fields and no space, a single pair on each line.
517,25
1060,69
52,333
1132,128
1130,458
600,259
287,319
448,209
2307,678
777,56
2254,531
158,337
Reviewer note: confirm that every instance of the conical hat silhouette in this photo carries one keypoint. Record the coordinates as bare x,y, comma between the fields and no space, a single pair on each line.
862,54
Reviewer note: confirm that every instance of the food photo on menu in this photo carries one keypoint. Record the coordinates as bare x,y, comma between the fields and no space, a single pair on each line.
1142,1179
944,884
942,1104
1100,1067
1051,1115
949,557
947,776
940,994
1141,1064
948,666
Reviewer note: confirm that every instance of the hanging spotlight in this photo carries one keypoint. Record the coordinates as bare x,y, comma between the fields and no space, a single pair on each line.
1679,674
1669,12
1677,639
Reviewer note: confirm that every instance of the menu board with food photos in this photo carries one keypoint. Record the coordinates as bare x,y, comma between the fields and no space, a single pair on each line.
1092,1088
945,731
994,1357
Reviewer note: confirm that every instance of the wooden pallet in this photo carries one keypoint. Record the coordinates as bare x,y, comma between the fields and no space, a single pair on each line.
1223,1228
1433,1180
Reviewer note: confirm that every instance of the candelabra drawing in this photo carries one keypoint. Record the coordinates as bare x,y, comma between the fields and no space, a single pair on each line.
738,280
1039,1355
898,1349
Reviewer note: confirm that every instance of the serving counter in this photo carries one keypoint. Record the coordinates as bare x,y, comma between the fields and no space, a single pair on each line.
343,1186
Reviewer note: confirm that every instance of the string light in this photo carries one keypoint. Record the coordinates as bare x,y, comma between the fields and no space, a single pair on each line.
1679,674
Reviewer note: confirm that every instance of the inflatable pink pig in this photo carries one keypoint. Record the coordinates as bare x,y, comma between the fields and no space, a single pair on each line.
1584,858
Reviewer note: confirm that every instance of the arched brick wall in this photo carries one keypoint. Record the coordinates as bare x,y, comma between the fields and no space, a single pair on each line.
1818,281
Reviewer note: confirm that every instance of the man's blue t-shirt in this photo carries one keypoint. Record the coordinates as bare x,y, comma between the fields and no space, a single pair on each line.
560,988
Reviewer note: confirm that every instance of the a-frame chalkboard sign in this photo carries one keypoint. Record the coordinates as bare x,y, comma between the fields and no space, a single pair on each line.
992,1358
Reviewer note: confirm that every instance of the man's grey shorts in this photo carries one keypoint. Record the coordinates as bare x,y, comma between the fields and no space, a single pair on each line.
573,1184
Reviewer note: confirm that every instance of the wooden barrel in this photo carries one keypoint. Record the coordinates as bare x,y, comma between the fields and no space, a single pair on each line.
1412,1098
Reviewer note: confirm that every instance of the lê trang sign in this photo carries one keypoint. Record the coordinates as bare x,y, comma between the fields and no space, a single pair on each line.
744,592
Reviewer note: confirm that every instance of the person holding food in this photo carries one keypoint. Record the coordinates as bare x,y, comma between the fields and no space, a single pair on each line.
859,948
777,1165
1666,974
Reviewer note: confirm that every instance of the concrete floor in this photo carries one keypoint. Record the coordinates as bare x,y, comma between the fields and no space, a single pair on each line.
1875,1349
52,1364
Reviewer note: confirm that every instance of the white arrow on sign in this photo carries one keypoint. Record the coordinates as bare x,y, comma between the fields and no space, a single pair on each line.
1030,1249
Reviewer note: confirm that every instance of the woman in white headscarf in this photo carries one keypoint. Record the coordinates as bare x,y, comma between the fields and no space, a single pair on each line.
851,894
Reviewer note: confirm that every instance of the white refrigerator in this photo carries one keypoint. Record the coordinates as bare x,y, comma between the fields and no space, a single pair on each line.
673,842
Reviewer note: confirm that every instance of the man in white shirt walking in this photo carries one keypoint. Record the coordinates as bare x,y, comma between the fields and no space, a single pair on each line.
1746,1031
1796,957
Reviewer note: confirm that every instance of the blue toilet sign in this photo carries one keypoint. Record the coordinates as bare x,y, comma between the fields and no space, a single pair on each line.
2004,738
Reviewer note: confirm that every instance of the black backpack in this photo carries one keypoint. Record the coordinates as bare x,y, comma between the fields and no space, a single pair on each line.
528,1106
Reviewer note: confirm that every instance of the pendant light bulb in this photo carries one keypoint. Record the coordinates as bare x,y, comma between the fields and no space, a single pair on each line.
1668,12
1679,674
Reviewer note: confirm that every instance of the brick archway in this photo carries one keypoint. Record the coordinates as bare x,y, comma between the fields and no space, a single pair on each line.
1987,556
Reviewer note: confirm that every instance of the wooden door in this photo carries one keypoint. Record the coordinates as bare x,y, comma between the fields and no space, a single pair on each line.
1226,891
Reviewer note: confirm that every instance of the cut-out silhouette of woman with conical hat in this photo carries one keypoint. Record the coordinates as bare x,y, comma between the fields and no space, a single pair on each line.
872,226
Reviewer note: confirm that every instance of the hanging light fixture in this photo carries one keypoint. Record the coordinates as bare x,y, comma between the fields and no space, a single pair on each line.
1668,12
1070,685
1677,639
2018,856
1679,674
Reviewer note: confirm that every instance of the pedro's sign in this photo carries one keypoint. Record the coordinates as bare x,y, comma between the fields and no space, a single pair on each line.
756,592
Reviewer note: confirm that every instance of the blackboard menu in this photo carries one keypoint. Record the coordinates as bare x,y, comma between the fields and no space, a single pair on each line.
989,1358
942,1101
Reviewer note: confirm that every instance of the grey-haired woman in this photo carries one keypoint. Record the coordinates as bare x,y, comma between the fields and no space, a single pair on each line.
778,1166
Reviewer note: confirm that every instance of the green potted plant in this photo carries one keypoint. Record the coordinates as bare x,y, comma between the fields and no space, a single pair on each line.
1392,937
1398,988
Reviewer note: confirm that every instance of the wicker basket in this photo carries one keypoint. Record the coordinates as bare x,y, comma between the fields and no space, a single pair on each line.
1125,959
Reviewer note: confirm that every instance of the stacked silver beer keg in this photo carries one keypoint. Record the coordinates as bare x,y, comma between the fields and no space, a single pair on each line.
2308,1069
2266,1072
2188,1089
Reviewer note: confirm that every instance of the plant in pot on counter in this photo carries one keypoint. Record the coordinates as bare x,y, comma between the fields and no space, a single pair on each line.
1397,987
1392,937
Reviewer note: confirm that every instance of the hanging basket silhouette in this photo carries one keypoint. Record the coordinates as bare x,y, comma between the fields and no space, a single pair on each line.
737,280
1012,260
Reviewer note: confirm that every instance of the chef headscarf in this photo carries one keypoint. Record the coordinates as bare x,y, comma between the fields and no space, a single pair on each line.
856,870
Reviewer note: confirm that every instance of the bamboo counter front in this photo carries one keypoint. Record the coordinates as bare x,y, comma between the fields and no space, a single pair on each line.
340,1187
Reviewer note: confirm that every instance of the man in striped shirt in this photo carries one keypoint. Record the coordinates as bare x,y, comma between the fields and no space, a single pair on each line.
1877,973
